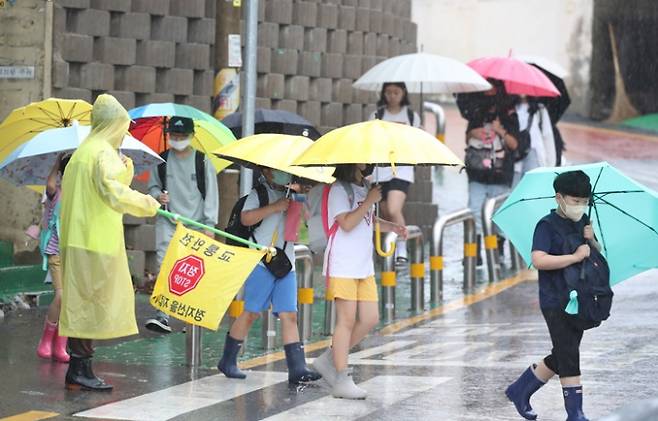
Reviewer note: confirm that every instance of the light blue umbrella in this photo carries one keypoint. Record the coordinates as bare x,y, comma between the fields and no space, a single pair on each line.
169,109
624,214
30,163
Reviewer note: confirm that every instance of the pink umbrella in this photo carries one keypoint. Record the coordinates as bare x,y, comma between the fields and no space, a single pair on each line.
519,77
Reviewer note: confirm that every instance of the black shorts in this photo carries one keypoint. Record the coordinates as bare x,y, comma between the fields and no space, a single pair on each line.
395,184
564,359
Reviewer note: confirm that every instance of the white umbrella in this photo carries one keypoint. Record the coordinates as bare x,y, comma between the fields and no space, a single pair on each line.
546,64
423,73
30,163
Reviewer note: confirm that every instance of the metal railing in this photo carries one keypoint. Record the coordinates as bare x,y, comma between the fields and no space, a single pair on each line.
415,243
491,245
466,217
440,116
304,272
305,294
193,347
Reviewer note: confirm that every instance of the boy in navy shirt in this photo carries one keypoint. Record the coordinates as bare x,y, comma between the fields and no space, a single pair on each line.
572,194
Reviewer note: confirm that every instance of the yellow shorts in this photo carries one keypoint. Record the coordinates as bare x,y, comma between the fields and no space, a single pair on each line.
353,289
55,269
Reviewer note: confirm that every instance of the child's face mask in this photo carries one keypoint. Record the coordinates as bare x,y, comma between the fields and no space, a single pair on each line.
281,178
179,145
573,212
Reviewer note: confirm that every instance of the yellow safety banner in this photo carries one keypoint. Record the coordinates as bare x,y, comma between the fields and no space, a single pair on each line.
200,276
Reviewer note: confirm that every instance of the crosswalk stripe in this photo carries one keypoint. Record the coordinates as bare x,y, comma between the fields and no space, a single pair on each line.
183,398
383,391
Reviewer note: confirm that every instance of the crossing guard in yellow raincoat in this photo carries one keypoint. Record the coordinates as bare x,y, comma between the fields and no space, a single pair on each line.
98,300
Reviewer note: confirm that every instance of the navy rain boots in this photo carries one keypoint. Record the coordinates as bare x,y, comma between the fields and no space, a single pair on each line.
229,362
298,372
520,391
573,403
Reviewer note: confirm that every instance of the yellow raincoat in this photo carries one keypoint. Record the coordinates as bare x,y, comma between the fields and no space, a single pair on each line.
98,300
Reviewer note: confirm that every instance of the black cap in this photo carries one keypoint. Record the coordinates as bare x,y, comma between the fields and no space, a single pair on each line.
181,125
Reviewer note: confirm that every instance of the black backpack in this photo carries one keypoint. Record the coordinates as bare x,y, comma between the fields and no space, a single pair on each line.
590,278
199,170
235,225
381,110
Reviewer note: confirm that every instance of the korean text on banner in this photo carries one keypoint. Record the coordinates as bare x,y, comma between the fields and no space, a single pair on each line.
200,276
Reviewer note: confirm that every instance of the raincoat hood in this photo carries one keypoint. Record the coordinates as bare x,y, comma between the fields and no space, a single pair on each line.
109,121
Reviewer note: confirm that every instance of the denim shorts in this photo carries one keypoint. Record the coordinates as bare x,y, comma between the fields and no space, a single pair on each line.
262,289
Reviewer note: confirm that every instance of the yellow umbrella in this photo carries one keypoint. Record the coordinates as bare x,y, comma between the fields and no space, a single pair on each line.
378,142
276,151
207,138
25,122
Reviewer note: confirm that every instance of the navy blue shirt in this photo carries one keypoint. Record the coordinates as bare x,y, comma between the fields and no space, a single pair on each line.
553,291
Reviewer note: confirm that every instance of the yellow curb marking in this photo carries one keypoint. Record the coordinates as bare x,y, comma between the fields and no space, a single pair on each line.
31,416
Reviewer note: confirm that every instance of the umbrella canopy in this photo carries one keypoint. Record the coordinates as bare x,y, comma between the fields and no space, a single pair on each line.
519,77
423,73
378,142
31,162
168,109
273,121
25,122
208,136
542,62
276,151
624,216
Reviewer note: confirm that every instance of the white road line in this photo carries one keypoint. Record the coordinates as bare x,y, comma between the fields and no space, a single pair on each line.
183,398
383,391
382,349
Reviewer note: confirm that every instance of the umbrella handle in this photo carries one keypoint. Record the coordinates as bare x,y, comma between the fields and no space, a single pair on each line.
378,242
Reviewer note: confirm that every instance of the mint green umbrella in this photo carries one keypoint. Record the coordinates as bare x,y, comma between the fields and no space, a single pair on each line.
624,214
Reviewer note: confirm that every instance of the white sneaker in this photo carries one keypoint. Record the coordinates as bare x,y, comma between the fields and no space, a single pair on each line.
324,364
345,387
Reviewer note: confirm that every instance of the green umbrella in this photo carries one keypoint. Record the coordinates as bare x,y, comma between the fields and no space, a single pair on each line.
624,215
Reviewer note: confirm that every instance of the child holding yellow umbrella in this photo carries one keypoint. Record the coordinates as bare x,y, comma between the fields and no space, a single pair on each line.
348,257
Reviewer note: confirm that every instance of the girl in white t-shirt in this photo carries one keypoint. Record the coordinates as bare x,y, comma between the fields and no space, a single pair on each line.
349,267
394,106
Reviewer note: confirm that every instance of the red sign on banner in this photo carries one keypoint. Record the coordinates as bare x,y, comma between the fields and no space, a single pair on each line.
185,275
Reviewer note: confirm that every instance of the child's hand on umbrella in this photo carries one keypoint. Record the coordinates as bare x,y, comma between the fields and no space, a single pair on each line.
401,231
582,253
588,233
374,195
281,205
163,198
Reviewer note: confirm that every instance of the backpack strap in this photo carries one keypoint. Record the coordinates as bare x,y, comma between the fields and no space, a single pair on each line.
162,169
263,197
200,170
410,116
263,200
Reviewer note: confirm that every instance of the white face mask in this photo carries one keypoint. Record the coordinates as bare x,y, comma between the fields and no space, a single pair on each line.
573,212
179,145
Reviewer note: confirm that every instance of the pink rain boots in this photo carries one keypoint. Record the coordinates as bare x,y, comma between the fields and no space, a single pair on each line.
52,345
